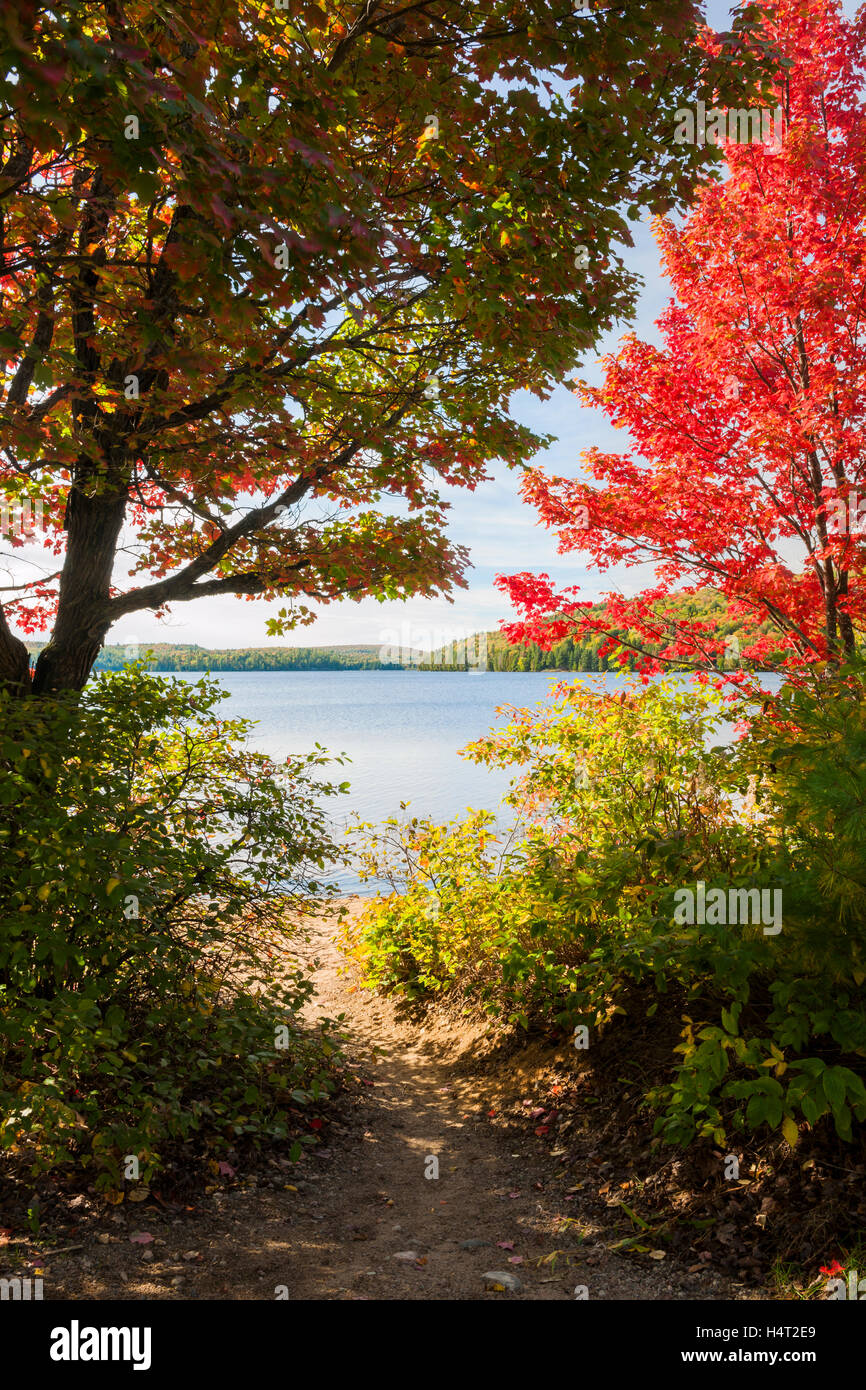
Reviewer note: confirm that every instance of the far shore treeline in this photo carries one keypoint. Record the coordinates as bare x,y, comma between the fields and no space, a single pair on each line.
569,655
167,656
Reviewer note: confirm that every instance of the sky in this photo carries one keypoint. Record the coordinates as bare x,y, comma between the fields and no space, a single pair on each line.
501,532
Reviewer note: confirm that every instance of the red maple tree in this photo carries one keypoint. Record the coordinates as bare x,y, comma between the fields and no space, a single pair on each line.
748,421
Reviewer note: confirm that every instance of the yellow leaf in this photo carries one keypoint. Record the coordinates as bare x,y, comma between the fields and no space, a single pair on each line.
790,1131
111,885
115,1198
42,893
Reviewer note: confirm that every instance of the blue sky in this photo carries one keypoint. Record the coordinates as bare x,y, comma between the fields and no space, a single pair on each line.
502,533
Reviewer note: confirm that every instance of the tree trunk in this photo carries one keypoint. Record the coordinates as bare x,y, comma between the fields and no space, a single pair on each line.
14,660
93,525
846,627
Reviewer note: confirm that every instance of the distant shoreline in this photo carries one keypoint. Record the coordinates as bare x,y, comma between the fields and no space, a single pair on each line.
477,651
500,659
360,670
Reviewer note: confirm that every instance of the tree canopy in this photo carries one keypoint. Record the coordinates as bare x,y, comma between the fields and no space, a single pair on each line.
271,273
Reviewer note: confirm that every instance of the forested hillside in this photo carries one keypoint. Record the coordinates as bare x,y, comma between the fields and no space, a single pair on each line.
582,653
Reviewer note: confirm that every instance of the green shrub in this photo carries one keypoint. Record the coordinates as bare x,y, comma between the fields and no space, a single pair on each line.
455,915
151,868
626,799
517,927
797,1018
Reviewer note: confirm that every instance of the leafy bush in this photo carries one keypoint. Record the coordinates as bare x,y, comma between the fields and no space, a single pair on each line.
517,927
798,1019
149,984
455,914
625,800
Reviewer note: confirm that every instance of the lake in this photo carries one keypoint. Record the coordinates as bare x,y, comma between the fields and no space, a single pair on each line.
401,729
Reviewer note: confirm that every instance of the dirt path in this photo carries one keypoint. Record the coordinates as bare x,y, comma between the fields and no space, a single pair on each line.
364,1221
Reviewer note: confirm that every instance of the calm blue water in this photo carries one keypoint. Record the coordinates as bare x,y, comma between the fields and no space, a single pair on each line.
401,729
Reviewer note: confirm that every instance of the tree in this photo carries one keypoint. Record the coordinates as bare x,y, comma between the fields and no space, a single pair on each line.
748,421
269,271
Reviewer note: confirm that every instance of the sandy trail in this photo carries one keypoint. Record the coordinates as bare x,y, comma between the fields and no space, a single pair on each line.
364,1221
364,1204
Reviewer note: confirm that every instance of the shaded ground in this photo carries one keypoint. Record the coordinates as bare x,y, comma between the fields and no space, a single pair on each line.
358,1218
